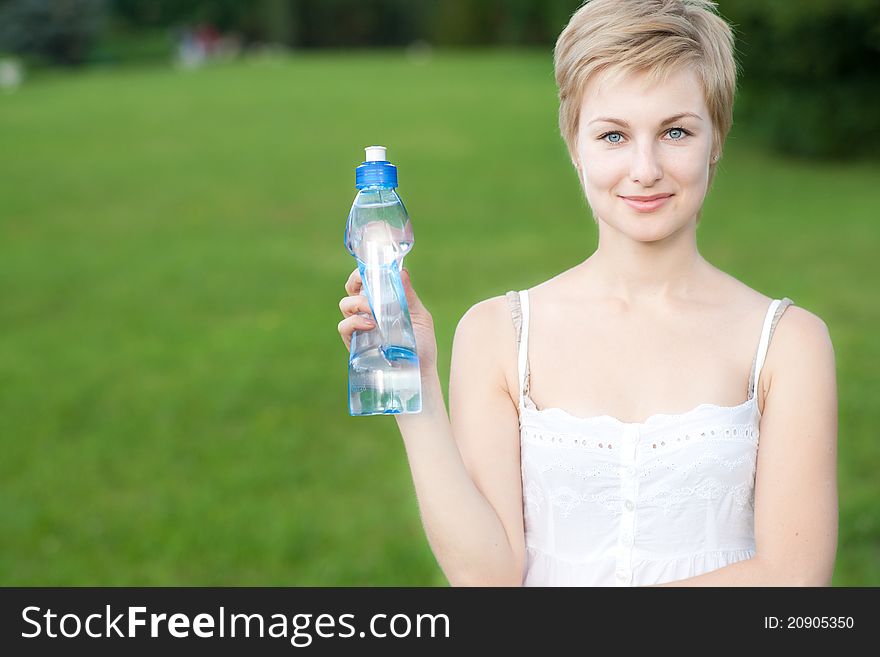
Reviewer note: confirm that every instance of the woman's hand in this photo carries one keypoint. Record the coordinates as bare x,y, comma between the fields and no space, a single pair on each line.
356,311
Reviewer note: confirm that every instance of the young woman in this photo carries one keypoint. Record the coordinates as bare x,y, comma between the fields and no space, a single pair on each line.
642,418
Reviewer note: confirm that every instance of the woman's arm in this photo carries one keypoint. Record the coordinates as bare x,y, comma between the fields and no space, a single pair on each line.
796,503
467,472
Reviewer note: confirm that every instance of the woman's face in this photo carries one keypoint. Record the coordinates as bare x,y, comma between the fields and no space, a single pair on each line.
641,140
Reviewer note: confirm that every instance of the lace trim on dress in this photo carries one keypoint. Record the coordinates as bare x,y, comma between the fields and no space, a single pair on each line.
665,441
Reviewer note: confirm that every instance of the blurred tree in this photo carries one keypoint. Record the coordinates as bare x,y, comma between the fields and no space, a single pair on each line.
533,22
349,23
811,73
513,22
62,31
277,16
462,23
223,14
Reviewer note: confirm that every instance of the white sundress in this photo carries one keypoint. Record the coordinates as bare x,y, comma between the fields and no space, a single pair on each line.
612,503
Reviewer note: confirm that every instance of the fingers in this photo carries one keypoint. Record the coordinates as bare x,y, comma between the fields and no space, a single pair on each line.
355,304
355,310
354,283
351,324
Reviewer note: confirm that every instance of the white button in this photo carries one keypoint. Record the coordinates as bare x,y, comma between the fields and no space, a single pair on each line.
622,574
631,471
627,539
629,505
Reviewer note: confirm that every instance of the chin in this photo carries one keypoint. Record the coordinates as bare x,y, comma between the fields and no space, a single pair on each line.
651,234
643,227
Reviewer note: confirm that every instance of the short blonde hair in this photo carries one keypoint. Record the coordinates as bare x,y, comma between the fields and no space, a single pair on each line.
653,36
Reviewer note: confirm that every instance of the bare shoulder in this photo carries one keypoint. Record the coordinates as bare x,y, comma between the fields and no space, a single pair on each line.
801,347
488,326
486,317
801,324
799,333
798,321
483,312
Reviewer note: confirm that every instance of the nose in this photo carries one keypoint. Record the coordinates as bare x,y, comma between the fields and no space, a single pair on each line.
645,167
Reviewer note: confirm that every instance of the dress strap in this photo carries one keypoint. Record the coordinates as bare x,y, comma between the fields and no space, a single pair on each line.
519,310
774,312
523,368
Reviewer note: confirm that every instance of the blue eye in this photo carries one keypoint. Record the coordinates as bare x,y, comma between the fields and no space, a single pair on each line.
612,134
681,130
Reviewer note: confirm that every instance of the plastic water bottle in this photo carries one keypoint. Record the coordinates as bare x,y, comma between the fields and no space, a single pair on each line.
383,367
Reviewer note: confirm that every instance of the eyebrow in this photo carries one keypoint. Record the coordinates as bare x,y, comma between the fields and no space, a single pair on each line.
608,119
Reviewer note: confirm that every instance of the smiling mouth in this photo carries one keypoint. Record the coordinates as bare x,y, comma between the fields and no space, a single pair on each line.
647,204
655,197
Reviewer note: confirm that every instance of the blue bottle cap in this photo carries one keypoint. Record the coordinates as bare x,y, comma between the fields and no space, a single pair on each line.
376,170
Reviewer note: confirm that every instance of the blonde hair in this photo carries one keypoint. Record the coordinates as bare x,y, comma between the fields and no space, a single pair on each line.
653,36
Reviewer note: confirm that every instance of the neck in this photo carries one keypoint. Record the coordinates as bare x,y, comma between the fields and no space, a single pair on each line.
640,273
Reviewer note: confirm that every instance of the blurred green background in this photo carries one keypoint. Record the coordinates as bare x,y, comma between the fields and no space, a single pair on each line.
175,179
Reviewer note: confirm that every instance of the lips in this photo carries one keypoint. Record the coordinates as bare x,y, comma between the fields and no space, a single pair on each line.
646,198
646,203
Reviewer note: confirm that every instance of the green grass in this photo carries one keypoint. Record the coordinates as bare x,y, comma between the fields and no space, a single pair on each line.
173,391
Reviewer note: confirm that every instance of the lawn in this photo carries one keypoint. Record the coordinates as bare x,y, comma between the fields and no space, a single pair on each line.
173,391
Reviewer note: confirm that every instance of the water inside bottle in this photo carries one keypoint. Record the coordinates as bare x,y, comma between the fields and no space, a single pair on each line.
384,374
385,383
